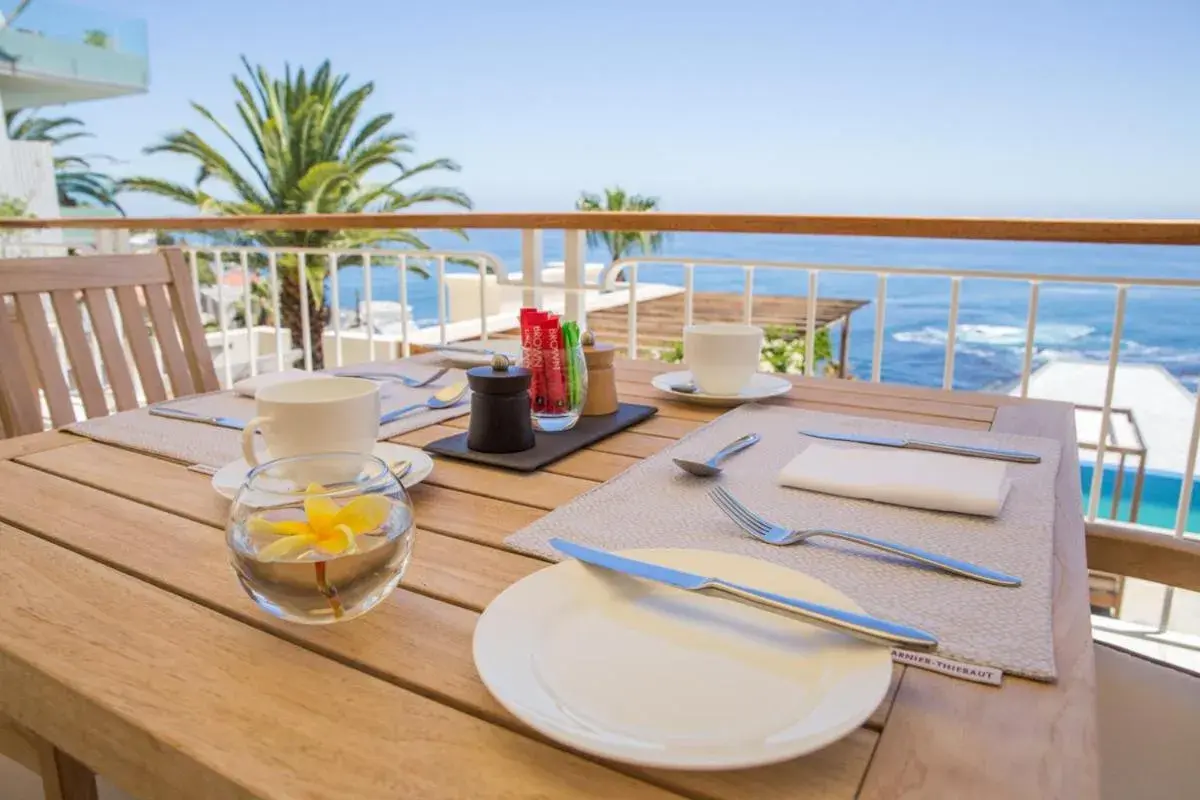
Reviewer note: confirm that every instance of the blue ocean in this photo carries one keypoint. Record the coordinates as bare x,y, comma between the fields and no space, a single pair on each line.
1073,321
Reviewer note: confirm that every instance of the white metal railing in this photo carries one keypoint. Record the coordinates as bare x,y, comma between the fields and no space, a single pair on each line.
1035,280
576,288
274,261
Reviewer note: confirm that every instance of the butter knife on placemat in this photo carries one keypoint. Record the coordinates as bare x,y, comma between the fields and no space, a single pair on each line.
1018,456
190,416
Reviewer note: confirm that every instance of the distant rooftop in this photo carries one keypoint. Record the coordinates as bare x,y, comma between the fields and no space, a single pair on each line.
1161,405
55,52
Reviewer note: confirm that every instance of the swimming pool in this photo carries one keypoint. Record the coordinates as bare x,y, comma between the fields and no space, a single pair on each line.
1160,496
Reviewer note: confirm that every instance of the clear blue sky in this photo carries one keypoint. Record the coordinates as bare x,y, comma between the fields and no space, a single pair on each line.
1079,107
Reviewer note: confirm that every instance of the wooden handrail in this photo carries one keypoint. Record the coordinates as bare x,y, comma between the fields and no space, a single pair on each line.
1172,232
1138,552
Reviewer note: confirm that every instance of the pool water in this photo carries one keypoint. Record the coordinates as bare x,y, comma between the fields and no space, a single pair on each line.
1160,496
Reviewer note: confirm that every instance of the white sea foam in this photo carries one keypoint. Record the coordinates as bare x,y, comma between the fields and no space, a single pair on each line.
1005,336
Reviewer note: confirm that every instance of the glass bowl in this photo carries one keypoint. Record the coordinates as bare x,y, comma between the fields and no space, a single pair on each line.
559,389
320,538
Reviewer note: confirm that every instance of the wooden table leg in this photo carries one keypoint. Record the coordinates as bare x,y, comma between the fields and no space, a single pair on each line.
63,777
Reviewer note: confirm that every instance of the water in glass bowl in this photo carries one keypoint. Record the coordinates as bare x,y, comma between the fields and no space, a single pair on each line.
315,587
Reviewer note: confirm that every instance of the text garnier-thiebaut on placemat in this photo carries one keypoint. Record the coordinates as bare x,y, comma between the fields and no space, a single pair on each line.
654,504
198,443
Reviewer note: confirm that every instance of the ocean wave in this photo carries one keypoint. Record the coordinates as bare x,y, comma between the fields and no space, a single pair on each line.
997,335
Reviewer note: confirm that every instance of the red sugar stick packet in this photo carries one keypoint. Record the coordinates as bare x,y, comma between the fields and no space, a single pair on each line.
536,359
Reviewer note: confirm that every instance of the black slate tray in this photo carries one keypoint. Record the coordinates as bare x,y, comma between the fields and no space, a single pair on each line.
547,447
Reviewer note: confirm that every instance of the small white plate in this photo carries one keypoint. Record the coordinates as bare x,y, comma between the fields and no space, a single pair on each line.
465,360
230,477
761,386
647,674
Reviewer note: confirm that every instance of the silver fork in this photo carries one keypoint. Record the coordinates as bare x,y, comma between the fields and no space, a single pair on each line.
411,383
778,535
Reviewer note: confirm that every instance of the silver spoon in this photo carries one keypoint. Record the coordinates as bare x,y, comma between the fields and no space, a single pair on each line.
401,468
685,388
707,469
443,399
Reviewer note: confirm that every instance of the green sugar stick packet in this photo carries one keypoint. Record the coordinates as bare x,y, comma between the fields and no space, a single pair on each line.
571,340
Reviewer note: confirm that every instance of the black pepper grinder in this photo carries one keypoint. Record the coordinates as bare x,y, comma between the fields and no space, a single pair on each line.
500,421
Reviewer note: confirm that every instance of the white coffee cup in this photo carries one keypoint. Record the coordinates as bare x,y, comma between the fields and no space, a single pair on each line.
723,357
332,415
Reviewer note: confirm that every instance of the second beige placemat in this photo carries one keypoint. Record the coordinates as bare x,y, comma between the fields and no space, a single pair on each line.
654,504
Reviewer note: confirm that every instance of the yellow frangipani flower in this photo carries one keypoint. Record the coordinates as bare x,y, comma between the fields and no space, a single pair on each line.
327,526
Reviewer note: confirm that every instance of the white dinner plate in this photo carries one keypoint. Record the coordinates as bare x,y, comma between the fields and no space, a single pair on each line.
230,477
463,359
761,386
648,674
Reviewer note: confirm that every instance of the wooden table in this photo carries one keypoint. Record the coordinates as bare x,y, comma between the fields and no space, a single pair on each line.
126,641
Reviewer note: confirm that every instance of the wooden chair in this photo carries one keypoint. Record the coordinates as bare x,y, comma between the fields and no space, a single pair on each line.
156,286
153,296
1148,712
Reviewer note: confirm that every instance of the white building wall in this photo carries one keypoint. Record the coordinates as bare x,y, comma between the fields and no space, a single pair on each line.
27,175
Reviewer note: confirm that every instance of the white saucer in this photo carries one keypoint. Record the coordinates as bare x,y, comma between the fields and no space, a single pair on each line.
465,360
647,674
761,386
230,477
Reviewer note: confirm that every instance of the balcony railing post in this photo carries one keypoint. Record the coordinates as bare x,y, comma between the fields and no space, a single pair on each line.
531,268
574,258
810,322
1030,333
951,334
405,345
689,291
631,339
222,316
366,278
306,341
880,315
273,269
333,260
441,298
1114,352
248,311
1189,476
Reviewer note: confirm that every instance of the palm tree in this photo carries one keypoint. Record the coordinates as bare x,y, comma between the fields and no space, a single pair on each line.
621,243
76,181
305,151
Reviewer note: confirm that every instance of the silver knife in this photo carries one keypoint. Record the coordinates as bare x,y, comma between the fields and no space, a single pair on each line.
996,453
453,348
860,626
189,416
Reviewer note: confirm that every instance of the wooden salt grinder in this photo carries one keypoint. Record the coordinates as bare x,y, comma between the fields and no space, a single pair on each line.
602,381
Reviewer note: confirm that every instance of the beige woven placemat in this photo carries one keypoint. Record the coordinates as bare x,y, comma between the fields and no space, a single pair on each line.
654,504
197,443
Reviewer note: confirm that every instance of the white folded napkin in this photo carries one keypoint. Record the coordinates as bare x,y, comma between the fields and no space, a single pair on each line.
901,477
248,386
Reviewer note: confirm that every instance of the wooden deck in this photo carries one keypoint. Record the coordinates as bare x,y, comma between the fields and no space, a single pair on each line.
660,320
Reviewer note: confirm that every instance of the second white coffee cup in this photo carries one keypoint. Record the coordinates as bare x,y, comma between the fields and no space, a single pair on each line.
333,415
723,357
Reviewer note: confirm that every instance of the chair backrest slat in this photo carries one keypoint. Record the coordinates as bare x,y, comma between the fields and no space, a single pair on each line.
83,365
157,303
191,328
111,354
81,272
33,319
168,342
19,405
138,338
